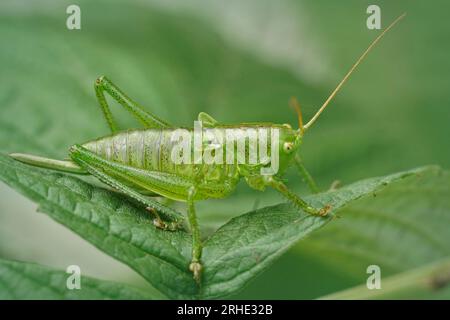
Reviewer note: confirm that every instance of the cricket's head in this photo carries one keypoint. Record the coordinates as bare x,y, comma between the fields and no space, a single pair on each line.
289,142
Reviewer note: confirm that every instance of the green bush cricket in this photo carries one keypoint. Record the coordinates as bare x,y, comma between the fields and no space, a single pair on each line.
138,162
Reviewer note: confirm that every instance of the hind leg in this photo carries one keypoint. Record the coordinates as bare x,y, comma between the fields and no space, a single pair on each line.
103,84
109,173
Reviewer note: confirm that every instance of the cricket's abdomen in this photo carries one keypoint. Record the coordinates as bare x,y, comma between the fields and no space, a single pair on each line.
139,149
150,149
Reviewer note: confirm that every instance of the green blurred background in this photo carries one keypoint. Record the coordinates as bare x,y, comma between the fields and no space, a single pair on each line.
239,61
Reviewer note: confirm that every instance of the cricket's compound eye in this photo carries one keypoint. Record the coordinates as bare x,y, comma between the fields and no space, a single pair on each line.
288,147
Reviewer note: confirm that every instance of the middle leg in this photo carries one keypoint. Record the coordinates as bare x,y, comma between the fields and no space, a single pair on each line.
283,189
195,265
109,172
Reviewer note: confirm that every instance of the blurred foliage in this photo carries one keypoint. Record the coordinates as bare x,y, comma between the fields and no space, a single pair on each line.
241,61
427,282
30,281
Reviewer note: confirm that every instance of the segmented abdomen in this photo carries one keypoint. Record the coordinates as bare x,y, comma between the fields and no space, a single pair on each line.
151,149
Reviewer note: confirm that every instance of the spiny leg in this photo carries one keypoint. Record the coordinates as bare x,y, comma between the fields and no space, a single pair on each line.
195,265
147,119
158,222
283,189
306,175
162,183
94,164
143,181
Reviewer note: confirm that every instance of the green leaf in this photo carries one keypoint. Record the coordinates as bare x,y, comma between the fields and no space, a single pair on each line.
180,62
248,244
111,222
403,228
232,256
19,280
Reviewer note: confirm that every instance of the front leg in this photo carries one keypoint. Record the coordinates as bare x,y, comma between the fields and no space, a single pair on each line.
306,175
283,189
195,265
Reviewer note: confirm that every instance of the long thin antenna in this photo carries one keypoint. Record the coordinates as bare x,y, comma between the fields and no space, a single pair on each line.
293,102
361,58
